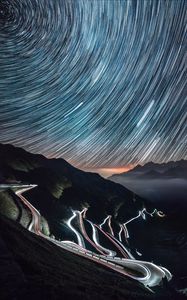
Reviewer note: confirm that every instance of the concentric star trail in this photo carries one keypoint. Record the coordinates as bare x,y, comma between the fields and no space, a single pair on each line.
100,83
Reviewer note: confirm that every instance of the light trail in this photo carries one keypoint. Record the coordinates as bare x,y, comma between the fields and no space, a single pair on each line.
111,239
151,276
137,252
103,222
160,214
96,241
120,232
125,230
108,218
85,234
129,221
129,255
84,212
78,235
141,214
110,225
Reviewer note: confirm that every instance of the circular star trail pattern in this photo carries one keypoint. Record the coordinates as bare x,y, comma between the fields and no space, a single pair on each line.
100,83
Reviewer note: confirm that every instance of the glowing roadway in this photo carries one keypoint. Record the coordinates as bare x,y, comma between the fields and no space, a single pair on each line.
145,272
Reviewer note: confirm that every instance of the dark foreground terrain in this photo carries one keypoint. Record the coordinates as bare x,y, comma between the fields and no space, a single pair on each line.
33,268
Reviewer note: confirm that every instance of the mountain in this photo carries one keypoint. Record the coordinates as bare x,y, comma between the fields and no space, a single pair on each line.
176,169
33,268
62,187
176,172
162,185
36,265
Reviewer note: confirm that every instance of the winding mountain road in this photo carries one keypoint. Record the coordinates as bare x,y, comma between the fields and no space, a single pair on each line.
147,273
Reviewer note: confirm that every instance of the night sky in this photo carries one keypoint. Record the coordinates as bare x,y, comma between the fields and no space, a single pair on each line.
101,83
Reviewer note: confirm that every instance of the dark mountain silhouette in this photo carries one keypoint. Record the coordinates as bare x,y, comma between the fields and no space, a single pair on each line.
62,187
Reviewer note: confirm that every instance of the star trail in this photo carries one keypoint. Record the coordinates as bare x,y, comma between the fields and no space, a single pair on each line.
101,83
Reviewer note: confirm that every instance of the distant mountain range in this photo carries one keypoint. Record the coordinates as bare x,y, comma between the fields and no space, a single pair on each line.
164,185
172,169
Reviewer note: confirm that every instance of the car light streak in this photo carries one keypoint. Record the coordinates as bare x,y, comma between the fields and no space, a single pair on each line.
120,232
110,226
85,234
129,255
78,235
137,252
160,214
149,274
96,241
129,221
125,230
108,218
84,212
104,221
111,239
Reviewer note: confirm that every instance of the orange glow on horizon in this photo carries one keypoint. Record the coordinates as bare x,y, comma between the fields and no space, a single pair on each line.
117,170
103,171
106,172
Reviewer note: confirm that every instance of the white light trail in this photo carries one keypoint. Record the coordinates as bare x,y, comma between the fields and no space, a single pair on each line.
120,232
110,226
96,241
78,235
104,221
151,274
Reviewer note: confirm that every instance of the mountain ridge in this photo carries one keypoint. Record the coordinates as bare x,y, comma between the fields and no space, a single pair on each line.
62,187
160,169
